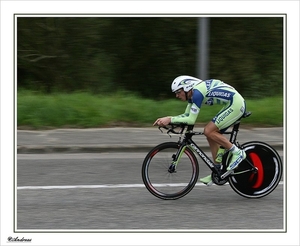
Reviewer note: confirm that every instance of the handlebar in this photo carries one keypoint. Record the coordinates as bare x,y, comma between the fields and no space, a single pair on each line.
171,128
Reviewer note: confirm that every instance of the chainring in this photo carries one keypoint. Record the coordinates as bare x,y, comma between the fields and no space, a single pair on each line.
217,179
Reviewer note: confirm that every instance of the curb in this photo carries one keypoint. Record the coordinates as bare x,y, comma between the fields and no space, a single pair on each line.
38,149
81,149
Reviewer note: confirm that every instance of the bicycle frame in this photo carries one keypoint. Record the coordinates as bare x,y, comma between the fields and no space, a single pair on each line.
188,142
192,145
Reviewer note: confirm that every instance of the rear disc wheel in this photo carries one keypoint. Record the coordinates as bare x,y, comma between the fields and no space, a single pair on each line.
264,180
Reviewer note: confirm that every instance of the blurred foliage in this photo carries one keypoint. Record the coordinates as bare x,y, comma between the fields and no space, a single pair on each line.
144,54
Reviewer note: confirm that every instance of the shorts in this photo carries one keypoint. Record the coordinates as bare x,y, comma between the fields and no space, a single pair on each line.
230,113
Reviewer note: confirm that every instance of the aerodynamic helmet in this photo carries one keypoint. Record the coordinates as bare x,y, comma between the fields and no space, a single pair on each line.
184,82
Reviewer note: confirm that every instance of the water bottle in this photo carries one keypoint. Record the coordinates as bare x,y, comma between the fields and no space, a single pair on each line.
220,154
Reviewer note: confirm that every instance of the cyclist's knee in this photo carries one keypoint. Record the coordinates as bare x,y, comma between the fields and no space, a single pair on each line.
206,132
210,129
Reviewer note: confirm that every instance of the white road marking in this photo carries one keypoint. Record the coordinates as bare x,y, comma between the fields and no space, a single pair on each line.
105,186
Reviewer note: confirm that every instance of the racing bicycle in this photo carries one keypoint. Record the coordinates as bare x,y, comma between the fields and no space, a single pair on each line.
170,170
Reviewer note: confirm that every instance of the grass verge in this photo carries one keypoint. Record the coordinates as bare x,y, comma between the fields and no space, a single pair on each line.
84,110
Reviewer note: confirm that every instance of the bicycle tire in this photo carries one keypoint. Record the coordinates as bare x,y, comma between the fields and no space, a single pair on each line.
163,184
265,180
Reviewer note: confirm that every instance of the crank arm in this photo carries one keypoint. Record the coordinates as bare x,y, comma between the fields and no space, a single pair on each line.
231,172
225,175
246,171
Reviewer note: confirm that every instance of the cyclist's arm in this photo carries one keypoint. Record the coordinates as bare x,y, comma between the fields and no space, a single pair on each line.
187,110
189,117
192,110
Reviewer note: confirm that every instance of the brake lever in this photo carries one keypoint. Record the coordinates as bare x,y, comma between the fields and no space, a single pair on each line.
168,132
162,127
171,130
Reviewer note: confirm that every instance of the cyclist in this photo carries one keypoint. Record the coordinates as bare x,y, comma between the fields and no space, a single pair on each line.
210,92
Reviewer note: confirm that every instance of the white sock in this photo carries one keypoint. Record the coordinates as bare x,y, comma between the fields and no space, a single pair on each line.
234,149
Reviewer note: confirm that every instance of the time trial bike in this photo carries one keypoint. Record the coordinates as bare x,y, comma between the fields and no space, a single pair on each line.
170,170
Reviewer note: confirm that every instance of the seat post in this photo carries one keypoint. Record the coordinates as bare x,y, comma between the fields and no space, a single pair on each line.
234,132
190,127
236,127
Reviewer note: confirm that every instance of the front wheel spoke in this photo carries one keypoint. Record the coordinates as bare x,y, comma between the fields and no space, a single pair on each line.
165,179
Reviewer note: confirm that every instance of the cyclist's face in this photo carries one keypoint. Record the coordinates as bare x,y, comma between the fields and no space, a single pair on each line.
180,94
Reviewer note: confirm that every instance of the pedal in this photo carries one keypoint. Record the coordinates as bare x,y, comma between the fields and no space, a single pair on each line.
225,175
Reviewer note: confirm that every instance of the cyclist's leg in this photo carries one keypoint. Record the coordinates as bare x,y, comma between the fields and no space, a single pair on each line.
215,139
213,147
224,119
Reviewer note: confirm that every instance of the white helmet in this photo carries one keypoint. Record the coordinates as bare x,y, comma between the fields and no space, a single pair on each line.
184,82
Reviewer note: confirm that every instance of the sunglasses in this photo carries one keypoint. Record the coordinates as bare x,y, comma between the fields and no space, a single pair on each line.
178,91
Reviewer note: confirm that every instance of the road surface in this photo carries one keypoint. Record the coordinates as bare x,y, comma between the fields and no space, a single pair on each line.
100,192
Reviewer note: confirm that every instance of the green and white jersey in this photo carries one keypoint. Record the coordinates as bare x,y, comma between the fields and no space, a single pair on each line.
213,92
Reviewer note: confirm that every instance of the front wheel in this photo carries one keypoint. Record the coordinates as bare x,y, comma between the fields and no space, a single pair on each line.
164,179
259,183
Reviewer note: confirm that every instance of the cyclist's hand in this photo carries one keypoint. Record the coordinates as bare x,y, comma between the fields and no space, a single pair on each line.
162,121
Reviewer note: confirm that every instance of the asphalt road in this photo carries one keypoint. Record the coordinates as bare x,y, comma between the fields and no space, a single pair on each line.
104,192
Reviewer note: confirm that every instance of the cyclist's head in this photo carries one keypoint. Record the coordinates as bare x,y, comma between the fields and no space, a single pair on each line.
184,82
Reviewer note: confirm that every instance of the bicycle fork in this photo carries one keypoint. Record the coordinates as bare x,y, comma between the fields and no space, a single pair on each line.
176,157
